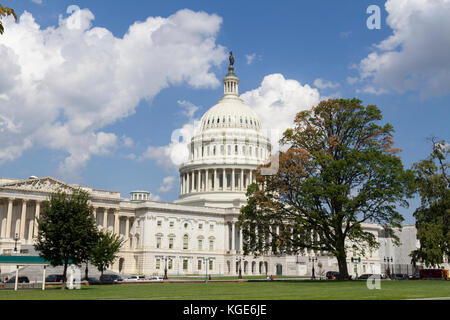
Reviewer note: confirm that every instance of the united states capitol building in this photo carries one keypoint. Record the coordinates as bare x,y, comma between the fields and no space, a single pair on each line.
198,231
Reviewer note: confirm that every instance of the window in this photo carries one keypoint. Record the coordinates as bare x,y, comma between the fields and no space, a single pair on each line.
250,151
171,223
185,264
236,149
229,150
221,149
211,227
199,264
158,263
185,225
170,243
243,150
159,223
211,245
210,264
170,264
185,242
200,244
200,225
158,242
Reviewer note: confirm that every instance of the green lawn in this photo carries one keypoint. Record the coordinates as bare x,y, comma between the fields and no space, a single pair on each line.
302,290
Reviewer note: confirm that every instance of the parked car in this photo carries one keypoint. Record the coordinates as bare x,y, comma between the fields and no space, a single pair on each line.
365,276
415,277
399,276
332,275
155,278
134,279
110,278
93,281
54,278
20,280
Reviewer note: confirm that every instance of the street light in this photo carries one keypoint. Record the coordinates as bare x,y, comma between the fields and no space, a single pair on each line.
386,261
16,238
165,268
240,268
205,260
313,259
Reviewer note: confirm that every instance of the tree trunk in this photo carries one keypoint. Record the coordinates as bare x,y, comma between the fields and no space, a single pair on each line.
64,276
86,271
342,263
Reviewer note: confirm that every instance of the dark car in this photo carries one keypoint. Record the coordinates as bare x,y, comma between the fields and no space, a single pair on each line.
20,280
332,275
399,276
365,276
54,278
110,278
93,281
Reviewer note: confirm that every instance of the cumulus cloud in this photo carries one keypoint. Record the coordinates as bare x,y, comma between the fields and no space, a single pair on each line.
167,184
277,100
37,1
60,86
324,84
417,55
188,108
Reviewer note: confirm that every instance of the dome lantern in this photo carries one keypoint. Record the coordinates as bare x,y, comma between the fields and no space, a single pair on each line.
231,81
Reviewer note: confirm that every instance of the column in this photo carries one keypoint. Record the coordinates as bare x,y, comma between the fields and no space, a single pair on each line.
22,219
233,238
36,216
225,179
105,219
127,232
250,177
241,183
116,223
241,243
199,181
206,180
233,182
215,179
227,236
181,184
9,218
188,176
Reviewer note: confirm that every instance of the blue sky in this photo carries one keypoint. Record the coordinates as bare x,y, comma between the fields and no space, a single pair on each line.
322,48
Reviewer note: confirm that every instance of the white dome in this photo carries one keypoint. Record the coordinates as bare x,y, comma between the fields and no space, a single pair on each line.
230,112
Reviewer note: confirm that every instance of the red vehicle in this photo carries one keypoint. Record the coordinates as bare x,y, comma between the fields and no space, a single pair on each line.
433,274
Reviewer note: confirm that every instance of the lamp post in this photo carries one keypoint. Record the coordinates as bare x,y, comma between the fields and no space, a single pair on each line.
205,261
165,268
16,238
386,261
313,259
240,269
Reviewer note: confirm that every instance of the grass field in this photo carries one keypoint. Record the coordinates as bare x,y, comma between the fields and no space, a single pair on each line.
301,290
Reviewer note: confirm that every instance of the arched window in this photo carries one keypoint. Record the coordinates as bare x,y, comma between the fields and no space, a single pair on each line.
185,242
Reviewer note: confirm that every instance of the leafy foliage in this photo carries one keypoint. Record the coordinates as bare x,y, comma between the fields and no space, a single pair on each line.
433,215
66,229
4,12
339,171
105,251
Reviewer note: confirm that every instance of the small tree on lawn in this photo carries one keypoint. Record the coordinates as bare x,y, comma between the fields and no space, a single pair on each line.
105,252
66,229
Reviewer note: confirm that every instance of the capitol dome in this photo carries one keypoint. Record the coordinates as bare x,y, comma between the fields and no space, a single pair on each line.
225,154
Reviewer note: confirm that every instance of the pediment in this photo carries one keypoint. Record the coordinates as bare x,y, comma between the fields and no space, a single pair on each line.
47,185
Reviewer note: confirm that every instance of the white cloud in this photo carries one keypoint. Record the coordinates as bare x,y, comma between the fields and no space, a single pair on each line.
37,1
324,84
252,58
277,101
60,86
167,184
417,55
189,108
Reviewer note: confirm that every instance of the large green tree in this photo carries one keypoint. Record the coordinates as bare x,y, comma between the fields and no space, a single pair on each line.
339,171
67,231
433,214
4,12
106,250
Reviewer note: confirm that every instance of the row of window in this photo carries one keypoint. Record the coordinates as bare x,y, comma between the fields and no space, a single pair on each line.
172,224
200,263
185,243
201,152
218,120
